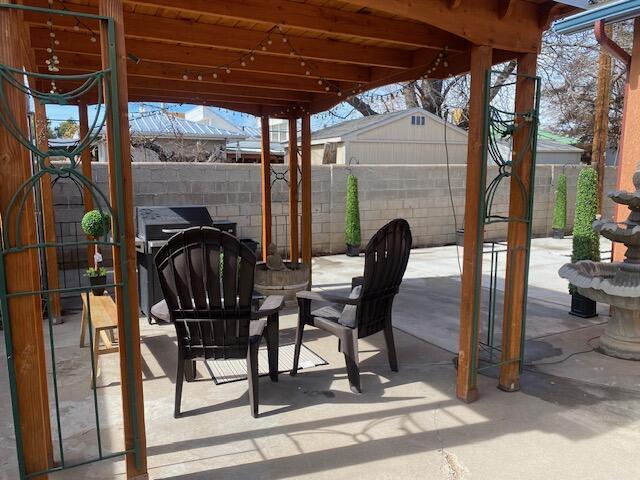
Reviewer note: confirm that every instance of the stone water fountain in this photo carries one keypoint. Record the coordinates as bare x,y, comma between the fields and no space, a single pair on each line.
617,283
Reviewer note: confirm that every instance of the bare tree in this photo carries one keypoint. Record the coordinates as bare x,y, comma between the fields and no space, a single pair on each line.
568,67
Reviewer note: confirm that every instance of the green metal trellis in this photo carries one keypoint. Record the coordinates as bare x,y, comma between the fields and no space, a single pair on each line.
500,126
107,110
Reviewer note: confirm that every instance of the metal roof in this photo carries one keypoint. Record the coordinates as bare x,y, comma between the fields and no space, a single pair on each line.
165,125
610,12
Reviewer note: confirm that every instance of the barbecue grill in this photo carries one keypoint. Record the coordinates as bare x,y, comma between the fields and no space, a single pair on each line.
156,225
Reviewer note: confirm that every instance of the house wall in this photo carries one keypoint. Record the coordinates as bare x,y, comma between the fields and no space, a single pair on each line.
401,129
405,153
418,193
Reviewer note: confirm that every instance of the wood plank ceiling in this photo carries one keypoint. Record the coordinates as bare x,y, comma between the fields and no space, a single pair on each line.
280,57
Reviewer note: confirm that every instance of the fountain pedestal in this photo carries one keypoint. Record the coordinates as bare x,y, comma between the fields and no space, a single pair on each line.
622,336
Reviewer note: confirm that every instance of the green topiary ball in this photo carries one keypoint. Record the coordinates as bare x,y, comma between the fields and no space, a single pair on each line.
96,224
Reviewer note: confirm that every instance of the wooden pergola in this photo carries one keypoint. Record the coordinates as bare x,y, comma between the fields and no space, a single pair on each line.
273,59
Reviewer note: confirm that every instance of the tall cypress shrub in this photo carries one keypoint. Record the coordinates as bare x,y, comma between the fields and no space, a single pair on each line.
560,207
352,232
586,242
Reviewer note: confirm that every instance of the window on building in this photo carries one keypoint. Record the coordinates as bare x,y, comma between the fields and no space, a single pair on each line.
418,119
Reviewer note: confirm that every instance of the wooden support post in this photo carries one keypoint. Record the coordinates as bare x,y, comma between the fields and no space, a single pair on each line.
306,192
601,123
294,249
265,178
128,320
22,274
85,158
473,228
629,152
48,214
515,302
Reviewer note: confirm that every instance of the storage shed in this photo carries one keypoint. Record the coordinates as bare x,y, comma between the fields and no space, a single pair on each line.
409,137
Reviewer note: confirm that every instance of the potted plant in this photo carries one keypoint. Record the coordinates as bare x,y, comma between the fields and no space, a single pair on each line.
560,208
98,279
96,224
352,233
586,242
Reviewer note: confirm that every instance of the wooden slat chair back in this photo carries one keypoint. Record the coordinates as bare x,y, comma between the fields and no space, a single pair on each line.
206,276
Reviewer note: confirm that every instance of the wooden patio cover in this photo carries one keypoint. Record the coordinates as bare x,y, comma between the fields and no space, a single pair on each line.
287,59
332,48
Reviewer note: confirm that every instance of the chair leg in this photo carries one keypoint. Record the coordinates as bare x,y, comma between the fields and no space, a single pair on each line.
252,377
391,347
179,379
273,332
350,351
296,351
190,370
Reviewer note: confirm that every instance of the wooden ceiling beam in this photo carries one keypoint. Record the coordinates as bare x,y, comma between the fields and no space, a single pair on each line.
316,18
477,21
194,58
169,30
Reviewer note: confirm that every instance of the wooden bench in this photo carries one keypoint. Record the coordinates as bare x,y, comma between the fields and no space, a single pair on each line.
104,325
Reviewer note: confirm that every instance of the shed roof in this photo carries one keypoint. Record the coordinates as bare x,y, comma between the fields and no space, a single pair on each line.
359,125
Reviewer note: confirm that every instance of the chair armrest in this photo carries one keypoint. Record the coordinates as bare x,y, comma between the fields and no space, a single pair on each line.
327,297
273,304
357,281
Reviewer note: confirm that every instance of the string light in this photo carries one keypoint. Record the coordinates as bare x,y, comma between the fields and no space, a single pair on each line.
308,67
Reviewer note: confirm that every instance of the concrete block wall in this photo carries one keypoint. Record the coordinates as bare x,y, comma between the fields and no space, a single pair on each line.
419,193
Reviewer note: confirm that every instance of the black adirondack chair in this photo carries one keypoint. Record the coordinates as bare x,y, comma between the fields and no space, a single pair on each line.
206,277
367,310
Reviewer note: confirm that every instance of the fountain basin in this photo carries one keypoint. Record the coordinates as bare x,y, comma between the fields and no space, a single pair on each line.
618,232
282,282
615,284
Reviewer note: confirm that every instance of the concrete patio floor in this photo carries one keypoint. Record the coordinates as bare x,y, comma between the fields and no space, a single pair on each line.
576,417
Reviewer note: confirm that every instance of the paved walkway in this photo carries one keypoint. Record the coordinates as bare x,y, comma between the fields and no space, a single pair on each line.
576,418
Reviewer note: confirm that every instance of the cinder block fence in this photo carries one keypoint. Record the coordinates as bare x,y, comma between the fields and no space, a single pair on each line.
419,193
